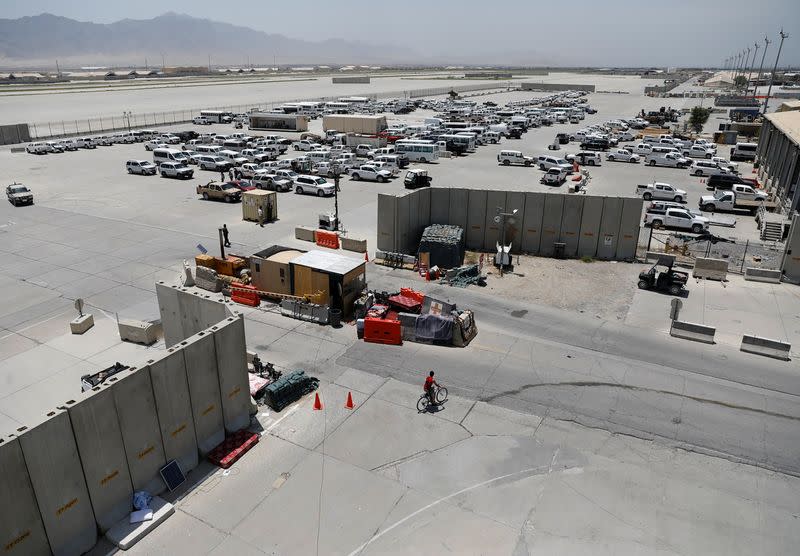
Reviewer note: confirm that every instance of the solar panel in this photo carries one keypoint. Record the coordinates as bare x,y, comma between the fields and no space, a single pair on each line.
172,475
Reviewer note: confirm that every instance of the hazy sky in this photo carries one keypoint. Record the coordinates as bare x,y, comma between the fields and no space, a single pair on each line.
571,32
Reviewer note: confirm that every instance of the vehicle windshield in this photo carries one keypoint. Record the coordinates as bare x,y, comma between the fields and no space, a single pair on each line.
19,189
321,181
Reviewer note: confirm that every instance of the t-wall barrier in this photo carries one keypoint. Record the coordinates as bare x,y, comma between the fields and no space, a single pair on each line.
588,226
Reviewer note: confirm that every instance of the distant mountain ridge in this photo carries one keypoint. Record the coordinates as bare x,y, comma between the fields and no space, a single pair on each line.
179,38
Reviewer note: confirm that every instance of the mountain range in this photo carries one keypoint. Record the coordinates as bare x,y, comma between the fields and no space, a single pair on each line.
179,39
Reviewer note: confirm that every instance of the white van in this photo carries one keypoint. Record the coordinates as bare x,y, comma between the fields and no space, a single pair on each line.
744,151
318,156
207,149
233,157
390,162
663,149
234,144
507,158
169,155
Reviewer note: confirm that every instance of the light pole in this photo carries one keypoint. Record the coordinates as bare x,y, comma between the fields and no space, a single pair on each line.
501,219
744,67
758,78
337,172
774,69
127,115
750,74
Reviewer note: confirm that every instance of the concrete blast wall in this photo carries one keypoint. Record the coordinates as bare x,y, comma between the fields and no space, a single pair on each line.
602,227
74,473
351,79
185,312
556,87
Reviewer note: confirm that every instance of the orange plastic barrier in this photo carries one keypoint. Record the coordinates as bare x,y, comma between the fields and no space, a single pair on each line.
246,295
413,294
381,331
324,238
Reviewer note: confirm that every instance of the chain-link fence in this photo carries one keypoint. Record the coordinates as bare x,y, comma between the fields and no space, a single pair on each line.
740,254
129,120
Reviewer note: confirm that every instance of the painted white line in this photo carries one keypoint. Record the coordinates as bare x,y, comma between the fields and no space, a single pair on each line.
35,324
440,500
291,410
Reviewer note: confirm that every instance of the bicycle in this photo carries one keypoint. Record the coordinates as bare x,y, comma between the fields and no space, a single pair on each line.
424,400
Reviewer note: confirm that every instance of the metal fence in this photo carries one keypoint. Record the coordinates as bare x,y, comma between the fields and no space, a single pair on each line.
129,120
740,254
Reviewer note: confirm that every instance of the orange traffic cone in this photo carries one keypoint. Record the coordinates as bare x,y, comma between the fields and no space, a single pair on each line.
317,402
349,403
366,256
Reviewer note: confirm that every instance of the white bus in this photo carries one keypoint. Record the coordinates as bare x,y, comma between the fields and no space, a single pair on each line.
456,125
215,116
467,141
355,100
418,150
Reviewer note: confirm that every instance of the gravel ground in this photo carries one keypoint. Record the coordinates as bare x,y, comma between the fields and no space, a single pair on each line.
570,284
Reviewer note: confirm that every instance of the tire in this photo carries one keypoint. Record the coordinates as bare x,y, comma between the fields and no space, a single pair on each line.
228,199
423,159
647,196
591,163
643,285
506,163
355,177
320,193
541,167
163,174
422,403
298,190
652,163
441,395
205,196
610,157
698,173
130,171
381,179
708,208
632,160
657,224
678,199
708,155
527,163
296,148
674,289
697,228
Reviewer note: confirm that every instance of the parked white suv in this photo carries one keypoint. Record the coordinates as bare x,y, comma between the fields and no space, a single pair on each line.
370,172
547,162
143,167
622,155
313,185
704,168
506,158
201,120
175,170
36,148
306,145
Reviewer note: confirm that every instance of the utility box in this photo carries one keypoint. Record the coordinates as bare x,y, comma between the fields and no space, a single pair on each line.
252,200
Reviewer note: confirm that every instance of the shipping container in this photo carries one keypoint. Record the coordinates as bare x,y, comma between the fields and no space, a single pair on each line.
267,200
351,123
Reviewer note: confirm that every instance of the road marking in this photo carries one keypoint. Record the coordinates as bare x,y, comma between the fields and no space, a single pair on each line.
440,500
35,324
291,410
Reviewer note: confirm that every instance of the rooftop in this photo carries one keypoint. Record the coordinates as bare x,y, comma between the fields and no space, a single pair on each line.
328,262
788,122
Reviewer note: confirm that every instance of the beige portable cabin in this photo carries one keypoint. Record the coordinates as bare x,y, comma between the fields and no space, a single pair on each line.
270,271
267,200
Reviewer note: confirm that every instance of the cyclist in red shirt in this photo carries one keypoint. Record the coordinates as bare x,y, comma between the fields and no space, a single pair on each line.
428,387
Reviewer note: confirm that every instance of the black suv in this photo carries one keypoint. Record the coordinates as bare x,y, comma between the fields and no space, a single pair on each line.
595,145
725,181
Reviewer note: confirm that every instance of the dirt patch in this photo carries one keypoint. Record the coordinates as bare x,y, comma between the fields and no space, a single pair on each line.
601,289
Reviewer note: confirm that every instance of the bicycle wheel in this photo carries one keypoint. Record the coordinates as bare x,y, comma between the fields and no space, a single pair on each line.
422,403
441,395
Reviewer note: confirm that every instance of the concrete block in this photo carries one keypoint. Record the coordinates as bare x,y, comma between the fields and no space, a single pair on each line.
423,210
169,309
81,324
234,386
99,439
402,223
21,528
692,331
609,228
415,221
515,229
493,231
352,244
174,407
189,313
201,371
138,332
304,233
571,224
440,205
630,225
765,346
714,269
54,466
387,222
532,231
138,422
125,534
551,222
590,226
476,219
459,199
762,275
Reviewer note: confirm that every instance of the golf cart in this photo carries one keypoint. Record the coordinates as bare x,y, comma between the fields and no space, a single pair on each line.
417,178
667,280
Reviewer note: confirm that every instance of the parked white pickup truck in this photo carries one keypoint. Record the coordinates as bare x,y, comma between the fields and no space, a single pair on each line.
677,218
662,191
730,200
